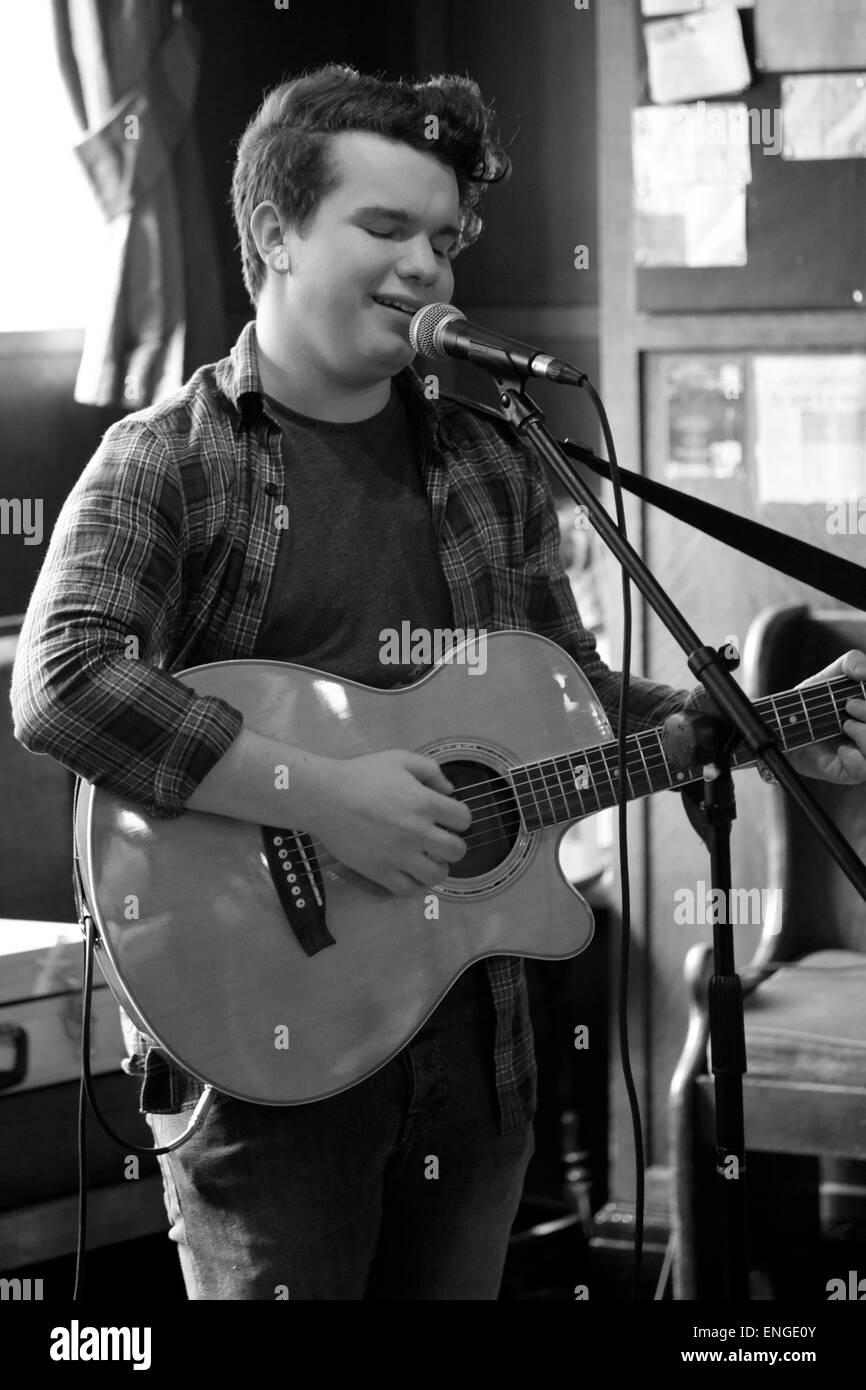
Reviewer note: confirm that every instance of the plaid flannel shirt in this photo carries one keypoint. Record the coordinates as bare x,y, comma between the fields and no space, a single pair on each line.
168,537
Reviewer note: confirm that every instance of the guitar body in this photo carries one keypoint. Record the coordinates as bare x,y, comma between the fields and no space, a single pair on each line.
195,941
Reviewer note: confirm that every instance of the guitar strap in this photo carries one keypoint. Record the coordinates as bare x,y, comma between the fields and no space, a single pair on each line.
838,578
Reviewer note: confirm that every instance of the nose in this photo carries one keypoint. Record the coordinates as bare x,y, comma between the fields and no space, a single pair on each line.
419,262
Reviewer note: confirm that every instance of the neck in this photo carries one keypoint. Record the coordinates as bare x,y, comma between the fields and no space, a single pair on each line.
566,788
289,375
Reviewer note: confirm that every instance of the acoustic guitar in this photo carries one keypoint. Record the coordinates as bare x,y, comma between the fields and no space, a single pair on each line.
265,967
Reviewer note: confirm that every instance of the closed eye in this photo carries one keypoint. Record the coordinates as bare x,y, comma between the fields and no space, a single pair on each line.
388,236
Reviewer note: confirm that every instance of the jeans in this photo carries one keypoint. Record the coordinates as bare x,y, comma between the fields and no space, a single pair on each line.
400,1188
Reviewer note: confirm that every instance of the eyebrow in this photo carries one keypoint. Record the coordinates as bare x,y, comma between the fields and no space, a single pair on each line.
399,215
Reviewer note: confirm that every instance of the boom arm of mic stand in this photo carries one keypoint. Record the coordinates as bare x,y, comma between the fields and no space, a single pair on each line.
703,661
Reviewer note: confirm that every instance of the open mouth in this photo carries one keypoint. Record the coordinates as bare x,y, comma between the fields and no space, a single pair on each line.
396,306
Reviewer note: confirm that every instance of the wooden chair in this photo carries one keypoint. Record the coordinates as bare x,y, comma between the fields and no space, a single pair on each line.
805,993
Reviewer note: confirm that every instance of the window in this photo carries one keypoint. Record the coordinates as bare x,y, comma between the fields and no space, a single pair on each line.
52,228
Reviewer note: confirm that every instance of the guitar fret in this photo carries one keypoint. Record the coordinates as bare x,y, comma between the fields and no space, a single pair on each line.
582,778
565,794
842,714
834,706
613,759
665,764
596,774
537,768
532,817
806,713
790,720
555,794
775,709
646,771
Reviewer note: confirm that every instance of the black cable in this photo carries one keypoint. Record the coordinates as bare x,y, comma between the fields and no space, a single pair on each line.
622,805
81,1241
86,1090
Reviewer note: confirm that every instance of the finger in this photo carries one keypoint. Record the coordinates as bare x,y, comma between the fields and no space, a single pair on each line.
851,664
401,885
451,813
856,732
447,848
854,664
426,871
853,766
429,772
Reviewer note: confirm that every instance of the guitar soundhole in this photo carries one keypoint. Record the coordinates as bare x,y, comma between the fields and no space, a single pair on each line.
495,817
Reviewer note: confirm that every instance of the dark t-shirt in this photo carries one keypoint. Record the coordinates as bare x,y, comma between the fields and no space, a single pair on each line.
359,556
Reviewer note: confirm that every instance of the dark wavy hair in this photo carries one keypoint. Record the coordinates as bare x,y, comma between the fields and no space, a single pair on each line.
283,156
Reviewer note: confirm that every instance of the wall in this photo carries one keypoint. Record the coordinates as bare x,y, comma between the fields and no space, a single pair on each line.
534,59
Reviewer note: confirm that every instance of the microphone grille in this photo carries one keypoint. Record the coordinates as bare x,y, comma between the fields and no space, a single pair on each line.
422,329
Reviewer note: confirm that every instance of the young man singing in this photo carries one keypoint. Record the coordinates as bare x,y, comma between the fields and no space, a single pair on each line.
352,197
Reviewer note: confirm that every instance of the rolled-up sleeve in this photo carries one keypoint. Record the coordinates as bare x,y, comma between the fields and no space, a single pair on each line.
554,614
87,688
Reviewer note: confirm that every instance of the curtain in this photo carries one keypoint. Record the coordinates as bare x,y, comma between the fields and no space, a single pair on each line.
132,72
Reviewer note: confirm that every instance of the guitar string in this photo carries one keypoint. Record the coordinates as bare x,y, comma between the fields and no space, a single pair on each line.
636,761
474,843
651,735
505,802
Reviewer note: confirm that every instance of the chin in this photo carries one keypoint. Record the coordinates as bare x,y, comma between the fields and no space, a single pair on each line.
397,353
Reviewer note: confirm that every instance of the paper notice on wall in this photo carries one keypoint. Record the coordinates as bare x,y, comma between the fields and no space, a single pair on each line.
701,226
810,35
810,426
706,142
651,9
697,55
824,117
691,167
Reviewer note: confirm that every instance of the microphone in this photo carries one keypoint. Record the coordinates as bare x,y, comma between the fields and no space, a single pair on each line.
441,330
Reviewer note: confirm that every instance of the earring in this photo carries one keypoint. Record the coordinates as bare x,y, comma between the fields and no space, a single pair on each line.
281,259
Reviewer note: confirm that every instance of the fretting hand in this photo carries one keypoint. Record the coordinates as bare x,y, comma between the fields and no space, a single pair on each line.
843,759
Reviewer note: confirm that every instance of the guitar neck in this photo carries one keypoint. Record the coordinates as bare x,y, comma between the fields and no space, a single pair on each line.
581,783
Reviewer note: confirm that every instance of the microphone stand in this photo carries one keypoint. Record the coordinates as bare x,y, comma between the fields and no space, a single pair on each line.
727,1030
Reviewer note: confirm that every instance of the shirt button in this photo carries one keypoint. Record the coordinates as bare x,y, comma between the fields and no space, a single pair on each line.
272,489
253,586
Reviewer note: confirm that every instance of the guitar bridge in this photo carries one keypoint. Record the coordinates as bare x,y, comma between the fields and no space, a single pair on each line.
298,882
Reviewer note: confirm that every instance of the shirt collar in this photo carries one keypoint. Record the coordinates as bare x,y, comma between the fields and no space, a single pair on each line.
237,377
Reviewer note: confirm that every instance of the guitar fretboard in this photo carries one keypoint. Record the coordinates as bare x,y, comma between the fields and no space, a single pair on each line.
572,785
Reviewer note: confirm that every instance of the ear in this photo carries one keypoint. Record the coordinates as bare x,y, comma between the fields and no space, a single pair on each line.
268,234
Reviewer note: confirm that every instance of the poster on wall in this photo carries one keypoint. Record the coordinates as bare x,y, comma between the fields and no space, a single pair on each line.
810,426
706,418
